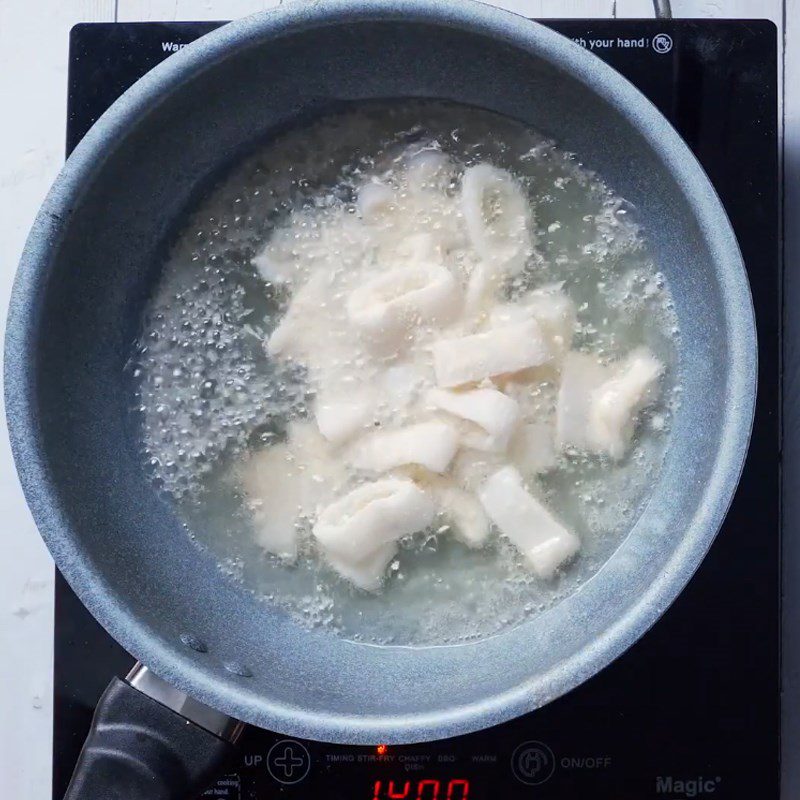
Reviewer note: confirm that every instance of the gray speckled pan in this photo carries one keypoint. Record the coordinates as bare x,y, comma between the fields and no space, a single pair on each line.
93,257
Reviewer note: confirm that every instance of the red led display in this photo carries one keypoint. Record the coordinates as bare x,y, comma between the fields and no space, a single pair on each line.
425,789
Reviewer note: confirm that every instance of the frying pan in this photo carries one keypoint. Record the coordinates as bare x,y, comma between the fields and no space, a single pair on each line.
92,260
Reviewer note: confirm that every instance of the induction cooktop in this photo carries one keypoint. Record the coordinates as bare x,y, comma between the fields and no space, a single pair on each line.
693,709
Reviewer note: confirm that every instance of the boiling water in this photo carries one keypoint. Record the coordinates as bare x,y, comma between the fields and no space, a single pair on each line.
207,393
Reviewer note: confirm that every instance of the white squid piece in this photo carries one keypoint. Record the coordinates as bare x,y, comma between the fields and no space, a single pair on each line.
429,444
531,528
533,448
498,218
471,468
552,310
597,405
367,573
387,306
375,201
507,349
428,169
305,326
287,481
493,415
470,524
616,403
400,385
339,418
275,496
277,263
581,374
372,516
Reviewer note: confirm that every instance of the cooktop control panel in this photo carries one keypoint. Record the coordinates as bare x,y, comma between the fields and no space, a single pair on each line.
692,710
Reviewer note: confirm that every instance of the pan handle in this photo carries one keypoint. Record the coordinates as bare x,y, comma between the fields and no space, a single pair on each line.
149,741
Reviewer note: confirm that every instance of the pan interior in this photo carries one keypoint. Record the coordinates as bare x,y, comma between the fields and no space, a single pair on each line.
209,397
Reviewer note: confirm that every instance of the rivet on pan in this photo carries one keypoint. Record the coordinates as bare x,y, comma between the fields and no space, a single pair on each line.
238,669
190,640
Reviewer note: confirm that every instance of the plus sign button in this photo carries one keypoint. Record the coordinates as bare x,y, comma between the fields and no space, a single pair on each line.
533,763
288,761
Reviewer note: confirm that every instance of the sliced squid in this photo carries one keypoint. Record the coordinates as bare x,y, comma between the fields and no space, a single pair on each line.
531,528
597,405
533,448
387,306
502,350
305,326
275,497
428,444
370,517
288,481
494,415
498,218
479,291
339,418
367,573
471,468
428,169
424,247
552,310
615,404
375,200
277,263
467,520
581,375
470,523
401,383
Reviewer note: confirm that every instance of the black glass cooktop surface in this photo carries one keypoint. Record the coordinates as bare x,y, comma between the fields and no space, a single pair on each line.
693,709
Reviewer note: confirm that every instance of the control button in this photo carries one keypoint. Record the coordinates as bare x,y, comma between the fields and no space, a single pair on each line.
288,761
533,763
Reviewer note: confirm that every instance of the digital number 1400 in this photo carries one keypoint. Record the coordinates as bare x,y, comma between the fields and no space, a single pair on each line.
421,790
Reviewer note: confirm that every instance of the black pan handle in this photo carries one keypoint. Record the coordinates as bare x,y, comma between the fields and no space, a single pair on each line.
149,741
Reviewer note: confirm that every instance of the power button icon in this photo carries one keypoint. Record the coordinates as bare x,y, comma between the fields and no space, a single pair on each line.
533,763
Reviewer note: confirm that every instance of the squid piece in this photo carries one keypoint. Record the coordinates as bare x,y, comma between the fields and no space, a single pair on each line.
468,521
428,169
375,514
471,526
508,349
375,200
494,414
400,385
552,310
498,218
367,573
581,375
287,481
276,263
478,292
305,324
429,444
616,403
555,313
471,468
542,539
340,418
275,497
597,405
387,306
533,448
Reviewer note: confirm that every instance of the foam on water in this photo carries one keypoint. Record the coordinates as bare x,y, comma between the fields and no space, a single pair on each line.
207,393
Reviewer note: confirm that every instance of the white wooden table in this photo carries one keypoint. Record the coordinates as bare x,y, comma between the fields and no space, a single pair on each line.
33,80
